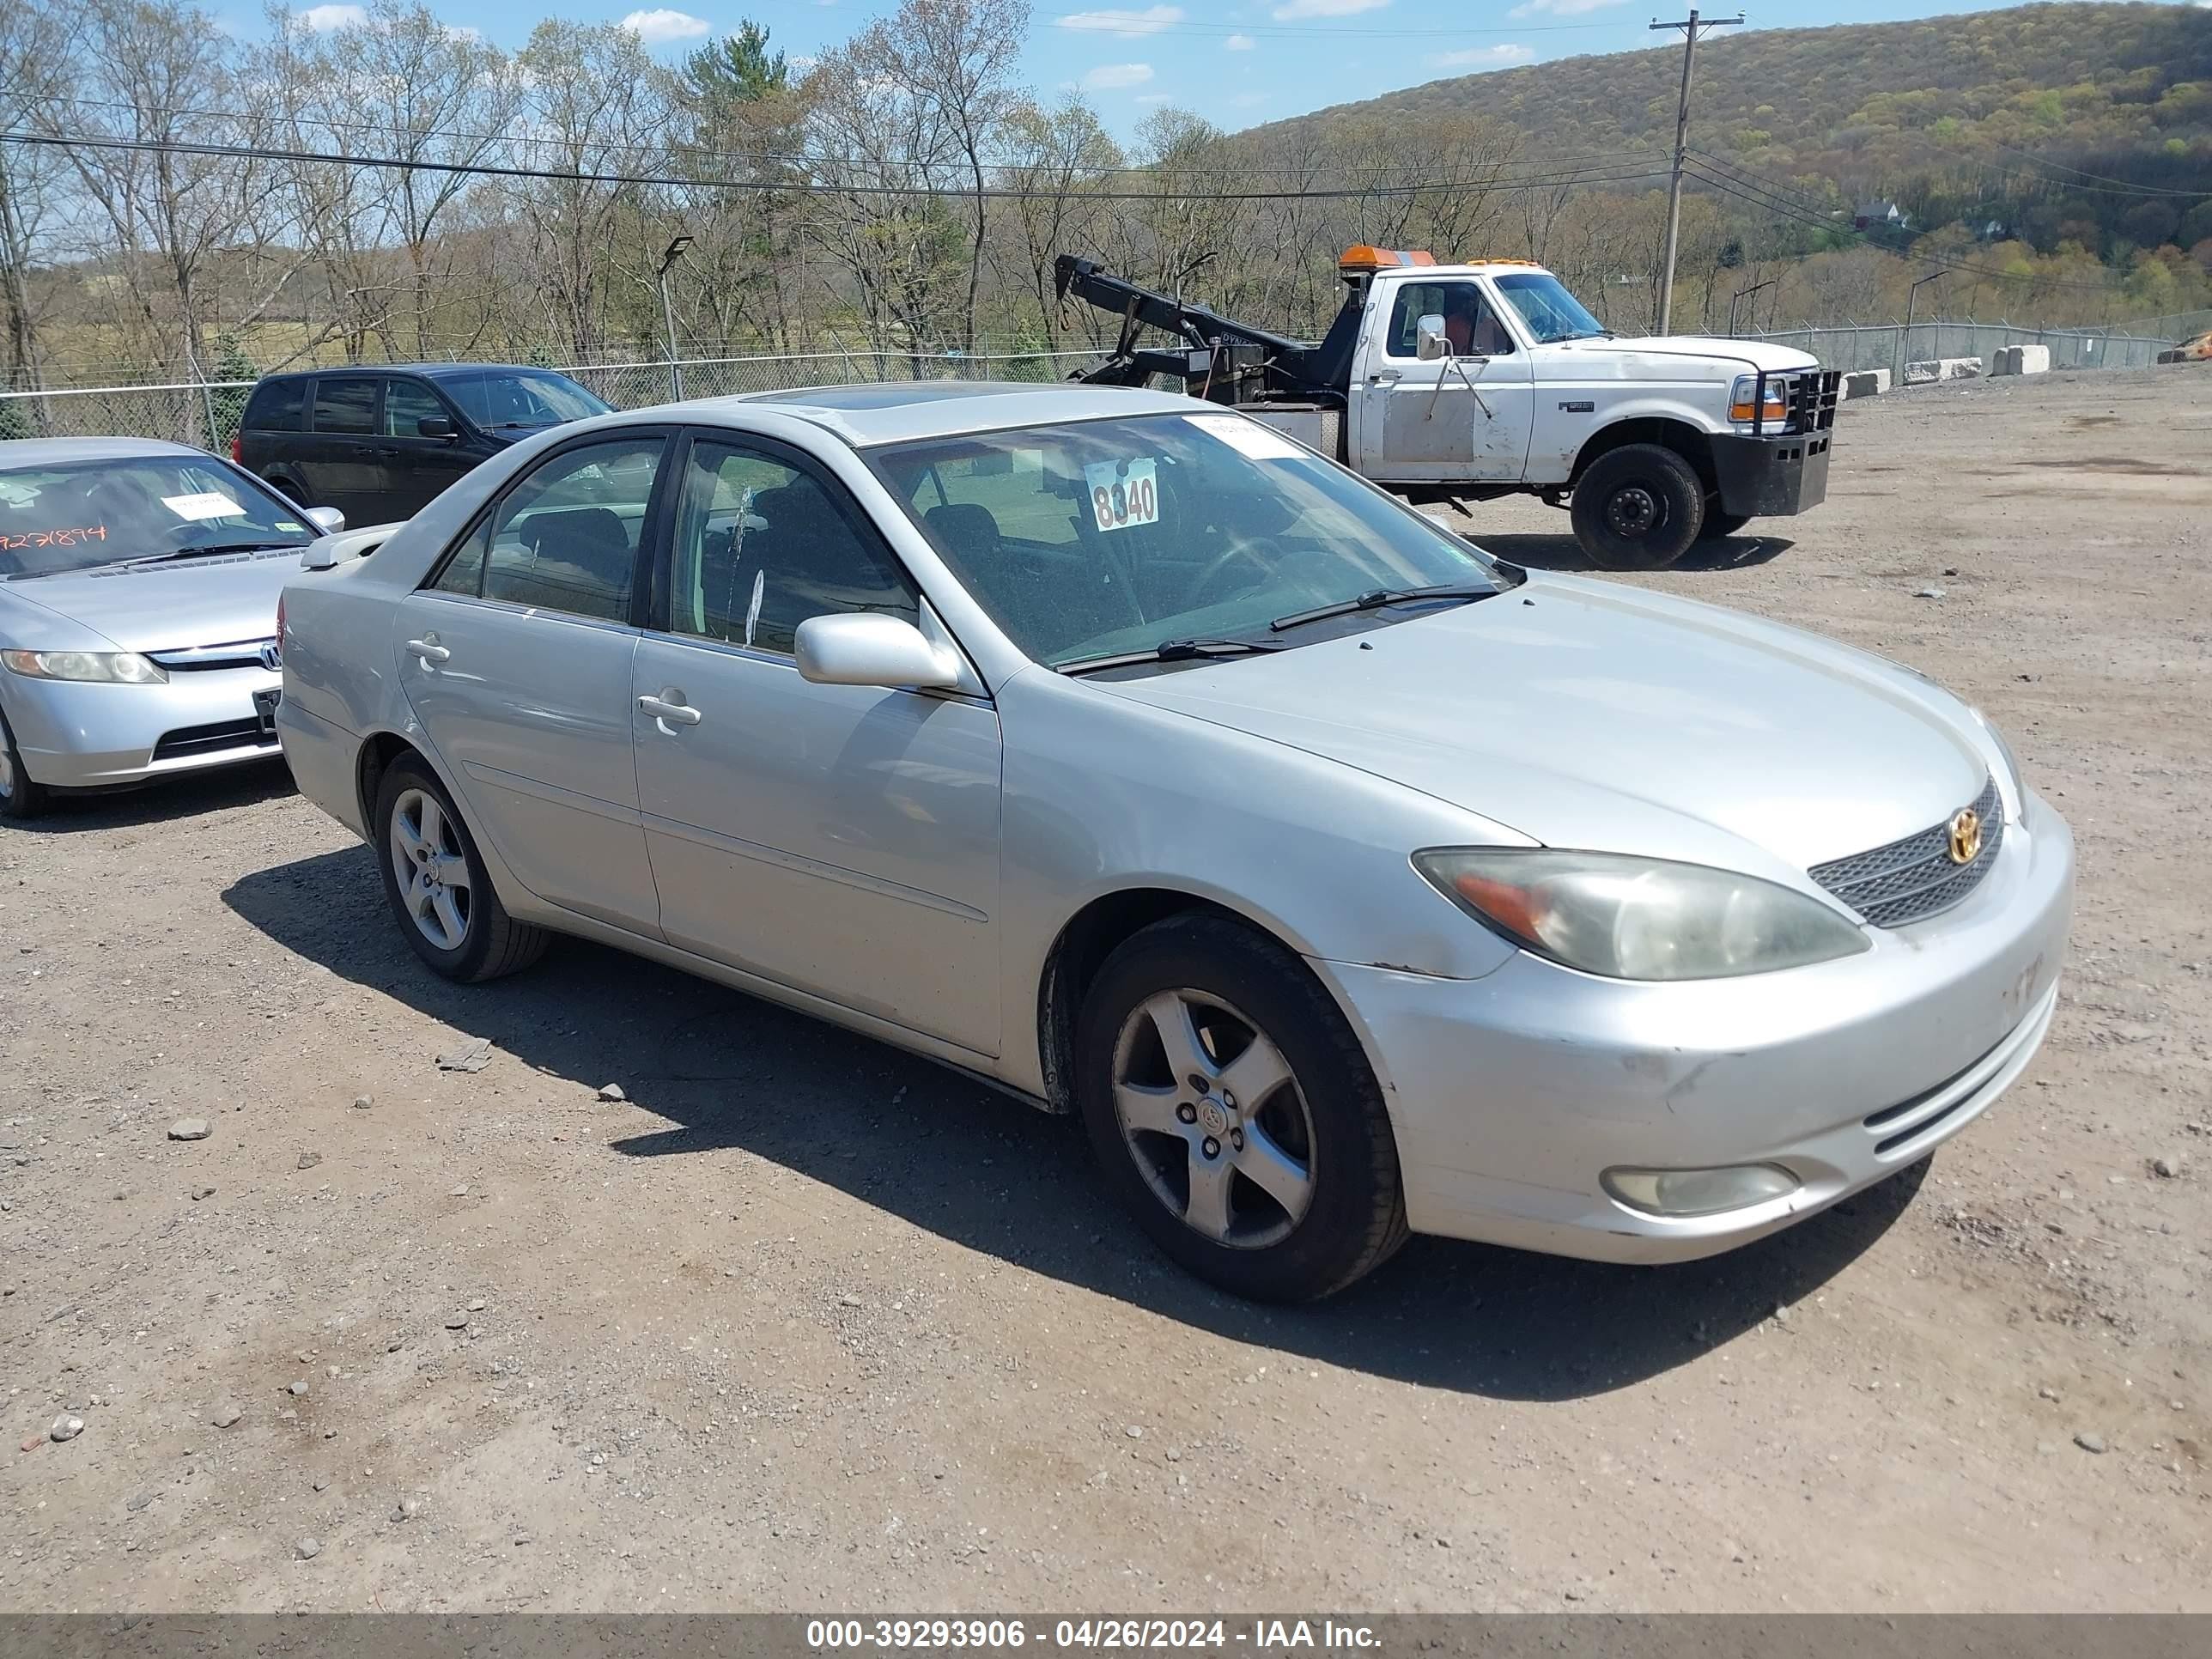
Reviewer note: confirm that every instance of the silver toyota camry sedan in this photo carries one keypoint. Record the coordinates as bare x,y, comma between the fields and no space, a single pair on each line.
1346,882
139,588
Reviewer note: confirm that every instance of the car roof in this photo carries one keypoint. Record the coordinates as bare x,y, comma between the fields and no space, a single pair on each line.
53,451
898,411
434,371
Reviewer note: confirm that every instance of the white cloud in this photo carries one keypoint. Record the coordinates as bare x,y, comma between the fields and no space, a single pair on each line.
660,25
323,20
1245,42
1108,77
1483,58
1577,7
1297,9
462,32
1123,24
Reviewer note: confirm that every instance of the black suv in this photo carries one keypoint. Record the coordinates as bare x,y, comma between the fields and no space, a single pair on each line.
379,443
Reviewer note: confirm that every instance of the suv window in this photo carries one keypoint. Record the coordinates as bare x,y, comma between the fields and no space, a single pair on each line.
565,538
405,403
1469,324
277,406
346,403
761,545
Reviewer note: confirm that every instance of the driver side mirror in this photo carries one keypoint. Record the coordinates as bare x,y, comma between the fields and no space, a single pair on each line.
1431,343
866,648
436,426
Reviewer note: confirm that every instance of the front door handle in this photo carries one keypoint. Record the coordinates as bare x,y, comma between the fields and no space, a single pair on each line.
429,649
676,714
1383,377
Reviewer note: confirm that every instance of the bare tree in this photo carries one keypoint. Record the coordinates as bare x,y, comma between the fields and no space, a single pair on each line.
32,51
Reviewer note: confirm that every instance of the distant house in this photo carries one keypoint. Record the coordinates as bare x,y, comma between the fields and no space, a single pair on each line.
1994,231
1885,216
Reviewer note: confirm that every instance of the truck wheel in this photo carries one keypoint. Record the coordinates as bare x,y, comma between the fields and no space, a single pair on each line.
1720,524
1638,508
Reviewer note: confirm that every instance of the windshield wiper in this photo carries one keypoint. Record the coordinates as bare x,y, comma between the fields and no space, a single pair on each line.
1173,651
208,552
1376,598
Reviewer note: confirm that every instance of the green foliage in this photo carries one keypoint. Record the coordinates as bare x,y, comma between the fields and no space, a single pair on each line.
738,69
231,363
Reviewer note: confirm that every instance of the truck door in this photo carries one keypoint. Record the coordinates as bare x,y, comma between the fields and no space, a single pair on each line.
1462,417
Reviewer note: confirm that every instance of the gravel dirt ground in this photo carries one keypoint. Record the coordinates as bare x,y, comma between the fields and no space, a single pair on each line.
801,1323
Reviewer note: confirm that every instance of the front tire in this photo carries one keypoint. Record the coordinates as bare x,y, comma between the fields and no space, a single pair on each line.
21,796
1233,1112
1638,508
436,884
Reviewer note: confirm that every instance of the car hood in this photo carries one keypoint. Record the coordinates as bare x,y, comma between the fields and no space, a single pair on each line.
1665,355
1586,714
162,607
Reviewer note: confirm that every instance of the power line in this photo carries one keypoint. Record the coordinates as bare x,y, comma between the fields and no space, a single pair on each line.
1586,174
2123,186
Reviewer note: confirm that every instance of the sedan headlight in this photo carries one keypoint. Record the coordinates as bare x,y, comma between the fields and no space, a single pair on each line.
1745,404
114,667
1642,919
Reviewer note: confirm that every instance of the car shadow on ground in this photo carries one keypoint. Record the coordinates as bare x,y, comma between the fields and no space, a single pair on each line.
725,1070
1722,554
183,797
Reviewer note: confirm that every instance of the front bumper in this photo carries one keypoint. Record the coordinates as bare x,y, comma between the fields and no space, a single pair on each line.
1511,1094
79,735
1771,478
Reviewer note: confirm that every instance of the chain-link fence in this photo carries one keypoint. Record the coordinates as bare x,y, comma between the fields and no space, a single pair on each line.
206,413
1892,345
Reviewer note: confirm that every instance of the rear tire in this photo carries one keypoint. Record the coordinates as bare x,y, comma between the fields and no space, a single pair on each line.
1721,525
444,904
1299,1194
1638,508
21,796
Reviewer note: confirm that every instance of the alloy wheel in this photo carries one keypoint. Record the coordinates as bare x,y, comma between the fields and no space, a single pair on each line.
1214,1119
433,870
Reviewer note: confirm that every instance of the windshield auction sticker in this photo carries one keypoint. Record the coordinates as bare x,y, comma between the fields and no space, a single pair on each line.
208,504
1249,439
1123,493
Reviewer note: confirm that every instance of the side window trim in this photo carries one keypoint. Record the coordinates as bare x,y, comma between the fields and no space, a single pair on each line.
654,525
307,422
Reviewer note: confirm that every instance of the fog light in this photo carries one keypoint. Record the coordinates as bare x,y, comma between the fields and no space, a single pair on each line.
1698,1192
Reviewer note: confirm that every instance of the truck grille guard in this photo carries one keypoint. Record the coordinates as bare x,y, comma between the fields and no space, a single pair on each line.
1812,399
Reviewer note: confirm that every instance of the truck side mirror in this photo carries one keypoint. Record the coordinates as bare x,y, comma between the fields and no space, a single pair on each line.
1430,341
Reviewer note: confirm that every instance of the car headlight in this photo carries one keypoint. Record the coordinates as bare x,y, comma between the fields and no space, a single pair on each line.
115,667
1635,918
1745,403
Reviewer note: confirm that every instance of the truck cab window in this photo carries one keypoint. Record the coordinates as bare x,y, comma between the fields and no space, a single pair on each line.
1469,324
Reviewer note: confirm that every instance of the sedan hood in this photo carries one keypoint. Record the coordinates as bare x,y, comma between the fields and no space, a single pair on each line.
1590,715
165,607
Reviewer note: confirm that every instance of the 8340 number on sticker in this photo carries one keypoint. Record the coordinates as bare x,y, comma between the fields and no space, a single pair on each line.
1123,493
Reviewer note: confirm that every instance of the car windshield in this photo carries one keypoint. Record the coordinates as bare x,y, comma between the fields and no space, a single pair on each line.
73,516
1097,539
519,396
1551,312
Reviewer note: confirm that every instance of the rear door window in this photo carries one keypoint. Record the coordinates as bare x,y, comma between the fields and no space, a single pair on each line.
346,403
277,406
407,404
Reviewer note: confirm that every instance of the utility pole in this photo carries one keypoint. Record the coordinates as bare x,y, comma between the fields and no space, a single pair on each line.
668,315
1690,28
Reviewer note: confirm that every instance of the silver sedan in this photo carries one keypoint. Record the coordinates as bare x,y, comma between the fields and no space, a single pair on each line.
1345,881
139,588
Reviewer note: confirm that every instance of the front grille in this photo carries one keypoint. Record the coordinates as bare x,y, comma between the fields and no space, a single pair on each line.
239,653
1915,877
208,739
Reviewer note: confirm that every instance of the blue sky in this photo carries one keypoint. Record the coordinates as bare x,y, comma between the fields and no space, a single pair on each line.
1234,62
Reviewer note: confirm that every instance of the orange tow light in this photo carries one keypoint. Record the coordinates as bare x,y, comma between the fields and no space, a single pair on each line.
1364,257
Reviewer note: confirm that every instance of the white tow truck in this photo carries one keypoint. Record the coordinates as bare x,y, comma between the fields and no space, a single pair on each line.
1467,382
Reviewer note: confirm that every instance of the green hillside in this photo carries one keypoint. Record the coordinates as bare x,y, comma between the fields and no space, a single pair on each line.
1973,117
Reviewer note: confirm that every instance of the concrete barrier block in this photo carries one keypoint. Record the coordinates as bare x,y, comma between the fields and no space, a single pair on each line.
1943,368
1865,383
2005,360
2031,360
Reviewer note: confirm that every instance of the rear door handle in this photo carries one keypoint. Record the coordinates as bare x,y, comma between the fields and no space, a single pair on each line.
676,714
428,650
